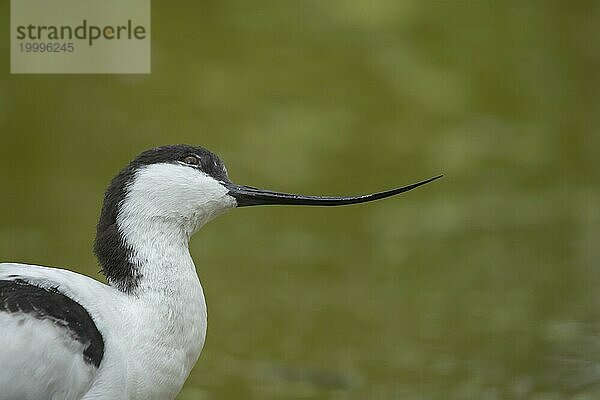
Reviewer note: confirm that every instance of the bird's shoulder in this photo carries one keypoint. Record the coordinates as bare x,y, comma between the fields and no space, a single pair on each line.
42,276
54,295
46,315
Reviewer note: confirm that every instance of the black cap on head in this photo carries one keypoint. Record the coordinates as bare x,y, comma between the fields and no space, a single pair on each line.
206,161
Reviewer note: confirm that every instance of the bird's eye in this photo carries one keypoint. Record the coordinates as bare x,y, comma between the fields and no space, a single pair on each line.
191,160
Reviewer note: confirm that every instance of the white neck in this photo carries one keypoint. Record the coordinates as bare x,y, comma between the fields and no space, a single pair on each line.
168,311
164,333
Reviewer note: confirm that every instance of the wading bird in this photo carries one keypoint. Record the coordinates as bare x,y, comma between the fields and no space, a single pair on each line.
67,336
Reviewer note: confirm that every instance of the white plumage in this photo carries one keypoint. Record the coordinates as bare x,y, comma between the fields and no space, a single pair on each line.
153,337
65,336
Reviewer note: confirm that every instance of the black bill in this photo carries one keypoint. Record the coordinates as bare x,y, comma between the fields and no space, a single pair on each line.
249,196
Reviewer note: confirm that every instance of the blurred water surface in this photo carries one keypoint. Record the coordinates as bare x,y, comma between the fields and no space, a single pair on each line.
480,286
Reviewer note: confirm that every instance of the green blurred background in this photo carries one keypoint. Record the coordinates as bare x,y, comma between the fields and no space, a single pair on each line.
480,286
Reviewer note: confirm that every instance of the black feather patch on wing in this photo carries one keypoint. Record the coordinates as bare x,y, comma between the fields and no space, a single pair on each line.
18,296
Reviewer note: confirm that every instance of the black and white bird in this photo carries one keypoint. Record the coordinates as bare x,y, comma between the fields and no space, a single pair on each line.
67,336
